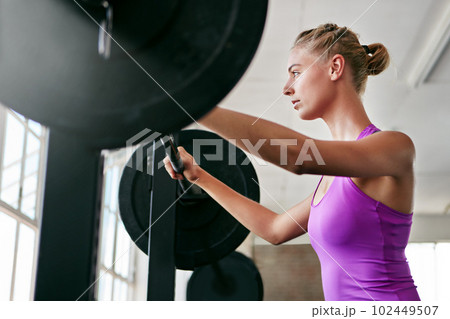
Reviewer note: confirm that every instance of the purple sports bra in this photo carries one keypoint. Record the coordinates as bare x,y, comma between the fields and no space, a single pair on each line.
360,243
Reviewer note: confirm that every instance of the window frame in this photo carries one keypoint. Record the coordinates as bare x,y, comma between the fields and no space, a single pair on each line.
112,159
16,213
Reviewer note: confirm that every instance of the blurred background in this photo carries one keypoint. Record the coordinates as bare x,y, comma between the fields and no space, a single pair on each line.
411,96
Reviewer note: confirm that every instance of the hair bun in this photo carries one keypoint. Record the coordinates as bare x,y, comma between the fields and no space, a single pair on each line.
378,59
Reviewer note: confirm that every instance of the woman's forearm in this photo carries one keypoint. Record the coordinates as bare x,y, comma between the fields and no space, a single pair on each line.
249,213
272,142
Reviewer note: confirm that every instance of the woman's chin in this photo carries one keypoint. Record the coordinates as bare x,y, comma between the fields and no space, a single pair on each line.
305,116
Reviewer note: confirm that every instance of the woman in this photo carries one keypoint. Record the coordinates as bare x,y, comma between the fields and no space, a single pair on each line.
359,217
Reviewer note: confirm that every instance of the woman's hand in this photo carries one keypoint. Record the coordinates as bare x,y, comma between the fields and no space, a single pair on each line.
192,170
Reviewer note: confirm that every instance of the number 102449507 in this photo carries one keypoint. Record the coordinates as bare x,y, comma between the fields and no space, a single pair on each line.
404,310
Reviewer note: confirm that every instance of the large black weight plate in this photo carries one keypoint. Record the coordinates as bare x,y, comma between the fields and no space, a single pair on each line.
51,71
205,232
233,278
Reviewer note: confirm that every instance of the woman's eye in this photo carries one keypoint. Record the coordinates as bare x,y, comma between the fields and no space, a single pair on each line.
295,73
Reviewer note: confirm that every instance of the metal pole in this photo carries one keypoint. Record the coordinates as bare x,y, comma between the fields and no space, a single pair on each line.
70,220
161,243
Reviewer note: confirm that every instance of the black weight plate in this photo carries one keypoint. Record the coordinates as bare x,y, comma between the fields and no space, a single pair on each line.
52,73
134,198
205,232
234,278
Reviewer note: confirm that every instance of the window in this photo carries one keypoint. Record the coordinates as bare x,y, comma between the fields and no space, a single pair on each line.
117,251
127,278
429,264
22,153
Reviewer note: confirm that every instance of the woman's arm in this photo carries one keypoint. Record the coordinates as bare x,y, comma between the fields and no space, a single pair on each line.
272,227
387,153
252,215
265,223
270,141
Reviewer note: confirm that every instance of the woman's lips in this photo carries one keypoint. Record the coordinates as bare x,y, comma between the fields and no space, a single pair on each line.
296,104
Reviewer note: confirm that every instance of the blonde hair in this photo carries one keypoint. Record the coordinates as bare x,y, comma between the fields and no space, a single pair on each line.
329,39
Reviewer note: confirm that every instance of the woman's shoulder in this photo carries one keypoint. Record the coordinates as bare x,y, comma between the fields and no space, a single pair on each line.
398,146
401,141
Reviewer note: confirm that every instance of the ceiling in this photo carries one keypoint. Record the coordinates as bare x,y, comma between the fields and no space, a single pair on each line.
410,29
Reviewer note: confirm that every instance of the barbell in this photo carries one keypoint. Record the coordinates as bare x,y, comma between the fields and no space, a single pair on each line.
167,64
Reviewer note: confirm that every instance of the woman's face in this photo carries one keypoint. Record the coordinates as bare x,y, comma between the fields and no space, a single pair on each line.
309,84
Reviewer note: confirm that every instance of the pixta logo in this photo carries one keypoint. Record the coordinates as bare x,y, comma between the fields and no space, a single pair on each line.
146,138
147,141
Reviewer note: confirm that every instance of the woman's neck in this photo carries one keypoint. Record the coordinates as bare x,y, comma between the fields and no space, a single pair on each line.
346,117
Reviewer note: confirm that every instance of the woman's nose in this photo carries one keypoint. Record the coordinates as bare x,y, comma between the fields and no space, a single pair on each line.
287,89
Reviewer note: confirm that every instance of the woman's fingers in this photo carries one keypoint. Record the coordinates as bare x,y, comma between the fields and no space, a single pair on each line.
188,159
169,167
190,169
170,170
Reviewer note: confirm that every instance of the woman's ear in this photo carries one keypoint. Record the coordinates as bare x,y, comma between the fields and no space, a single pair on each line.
337,64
